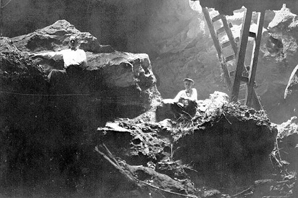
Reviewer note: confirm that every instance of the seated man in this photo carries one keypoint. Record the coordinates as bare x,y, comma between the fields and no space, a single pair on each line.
185,102
75,60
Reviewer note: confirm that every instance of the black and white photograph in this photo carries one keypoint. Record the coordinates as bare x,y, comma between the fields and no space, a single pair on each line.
148,98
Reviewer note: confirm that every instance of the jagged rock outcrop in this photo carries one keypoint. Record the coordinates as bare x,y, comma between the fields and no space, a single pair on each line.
276,65
288,141
46,130
54,37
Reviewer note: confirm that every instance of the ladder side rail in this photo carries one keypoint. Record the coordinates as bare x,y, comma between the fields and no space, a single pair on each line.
256,102
212,32
254,63
217,47
231,37
241,54
229,34
226,74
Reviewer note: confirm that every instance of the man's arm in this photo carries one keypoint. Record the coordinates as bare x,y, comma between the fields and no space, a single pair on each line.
194,96
176,99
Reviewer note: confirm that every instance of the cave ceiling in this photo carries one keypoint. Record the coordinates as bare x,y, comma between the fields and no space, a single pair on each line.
227,7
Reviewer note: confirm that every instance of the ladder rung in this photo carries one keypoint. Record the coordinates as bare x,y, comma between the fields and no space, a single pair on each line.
242,86
252,34
245,73
232,73
242,89
220,30
226,44
216,18
229,58
242,101
244,79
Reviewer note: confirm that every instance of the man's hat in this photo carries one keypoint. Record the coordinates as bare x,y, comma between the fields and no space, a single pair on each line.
188,79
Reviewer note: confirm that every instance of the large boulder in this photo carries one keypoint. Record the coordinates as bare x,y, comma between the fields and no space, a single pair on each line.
47,131
239,142
119,79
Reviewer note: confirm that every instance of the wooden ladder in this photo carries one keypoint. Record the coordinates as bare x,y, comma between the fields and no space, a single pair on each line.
251,98
242,83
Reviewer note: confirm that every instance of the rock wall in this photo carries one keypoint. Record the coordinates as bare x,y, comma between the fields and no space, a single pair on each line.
276,64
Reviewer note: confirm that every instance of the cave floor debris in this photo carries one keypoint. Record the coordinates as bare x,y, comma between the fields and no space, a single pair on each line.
226,150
